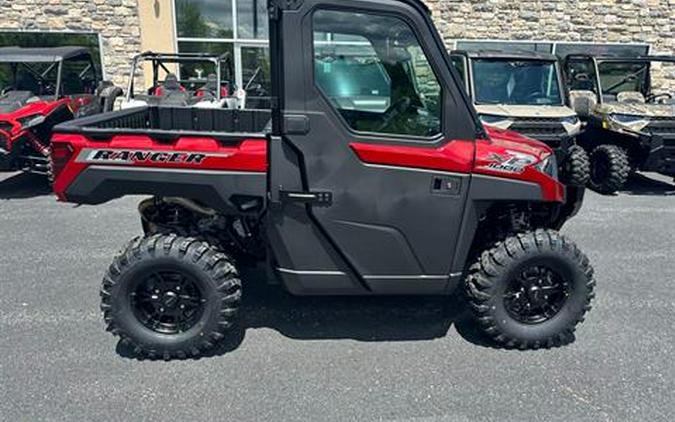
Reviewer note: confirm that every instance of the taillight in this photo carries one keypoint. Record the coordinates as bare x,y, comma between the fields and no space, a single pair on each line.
59,157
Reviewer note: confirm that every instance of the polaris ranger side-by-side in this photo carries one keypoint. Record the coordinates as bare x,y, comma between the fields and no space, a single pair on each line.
340,197
524,92
631,123
39,88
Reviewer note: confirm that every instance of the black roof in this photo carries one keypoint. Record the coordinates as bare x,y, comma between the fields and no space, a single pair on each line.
512,54
40,55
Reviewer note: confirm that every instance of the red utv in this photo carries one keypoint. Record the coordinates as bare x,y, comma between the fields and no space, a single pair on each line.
394,189
40,88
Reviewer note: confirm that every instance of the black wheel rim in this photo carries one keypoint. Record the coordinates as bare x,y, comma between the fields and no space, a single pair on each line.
167,302
536,295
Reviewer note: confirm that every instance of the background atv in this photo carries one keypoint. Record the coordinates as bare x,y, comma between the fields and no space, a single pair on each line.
631,123
340,198
523,92
39,88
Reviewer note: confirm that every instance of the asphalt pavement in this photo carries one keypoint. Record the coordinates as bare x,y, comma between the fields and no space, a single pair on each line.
330,359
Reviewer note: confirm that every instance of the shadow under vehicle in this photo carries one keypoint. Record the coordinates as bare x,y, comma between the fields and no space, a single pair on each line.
630,122
39,88
524,92
337,198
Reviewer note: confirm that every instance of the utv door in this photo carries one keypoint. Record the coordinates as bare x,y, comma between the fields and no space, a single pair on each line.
370,174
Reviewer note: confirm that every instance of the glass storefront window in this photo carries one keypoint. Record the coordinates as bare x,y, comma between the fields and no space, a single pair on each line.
204,19
255,69
201,69
252,22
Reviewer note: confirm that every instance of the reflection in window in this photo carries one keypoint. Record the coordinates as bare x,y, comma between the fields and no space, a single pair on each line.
204,18
376,74
252,19
255,69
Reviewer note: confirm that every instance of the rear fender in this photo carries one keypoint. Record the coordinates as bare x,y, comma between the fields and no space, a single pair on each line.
217,174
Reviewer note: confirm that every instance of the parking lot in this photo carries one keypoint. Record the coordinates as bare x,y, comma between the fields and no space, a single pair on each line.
332,358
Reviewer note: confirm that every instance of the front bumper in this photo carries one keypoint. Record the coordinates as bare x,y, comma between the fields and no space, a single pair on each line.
659,143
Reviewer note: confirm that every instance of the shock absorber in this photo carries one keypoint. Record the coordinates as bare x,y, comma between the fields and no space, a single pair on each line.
37,144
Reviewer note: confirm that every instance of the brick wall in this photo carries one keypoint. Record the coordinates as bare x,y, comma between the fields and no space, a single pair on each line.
637,21
115,20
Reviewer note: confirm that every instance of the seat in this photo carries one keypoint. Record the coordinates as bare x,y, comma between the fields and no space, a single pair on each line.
171,92
169,85
210,88
630,97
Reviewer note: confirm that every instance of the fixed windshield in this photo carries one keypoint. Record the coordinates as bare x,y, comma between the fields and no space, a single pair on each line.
515,82
616,77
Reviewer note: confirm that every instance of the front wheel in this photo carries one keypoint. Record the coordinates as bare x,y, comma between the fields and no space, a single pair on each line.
531,290
577,167
168,296
609,169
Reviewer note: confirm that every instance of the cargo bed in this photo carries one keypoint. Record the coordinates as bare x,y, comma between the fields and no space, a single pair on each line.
169,123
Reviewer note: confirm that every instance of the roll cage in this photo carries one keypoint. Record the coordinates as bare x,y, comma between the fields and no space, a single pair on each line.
159,61
596,61
54,59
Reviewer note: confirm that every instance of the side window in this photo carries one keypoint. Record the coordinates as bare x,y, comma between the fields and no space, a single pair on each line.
375,73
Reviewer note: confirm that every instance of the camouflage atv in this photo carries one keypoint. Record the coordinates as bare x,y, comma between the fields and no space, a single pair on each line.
631,122
524,92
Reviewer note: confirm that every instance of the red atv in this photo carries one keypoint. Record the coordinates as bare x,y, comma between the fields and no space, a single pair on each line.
42,87
397,189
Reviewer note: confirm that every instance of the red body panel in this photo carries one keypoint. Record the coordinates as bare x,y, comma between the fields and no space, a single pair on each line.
37,108
466,156
78,152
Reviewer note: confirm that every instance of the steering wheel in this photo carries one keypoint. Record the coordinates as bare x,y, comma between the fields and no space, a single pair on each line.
534,96
651,98
399,107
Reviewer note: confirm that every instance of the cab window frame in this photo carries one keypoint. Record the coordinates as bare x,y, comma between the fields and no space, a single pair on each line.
421,43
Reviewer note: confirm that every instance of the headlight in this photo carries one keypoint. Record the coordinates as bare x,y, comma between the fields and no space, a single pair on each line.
500,122
571,120
548,165
632,121
626,118
491,119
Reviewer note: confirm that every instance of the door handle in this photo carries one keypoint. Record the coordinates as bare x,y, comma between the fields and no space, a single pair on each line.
312,198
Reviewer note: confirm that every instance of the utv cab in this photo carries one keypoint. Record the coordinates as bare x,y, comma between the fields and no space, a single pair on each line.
631,121
39,88
524,92
207,81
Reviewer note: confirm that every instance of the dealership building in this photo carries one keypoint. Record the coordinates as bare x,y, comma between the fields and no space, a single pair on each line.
118,29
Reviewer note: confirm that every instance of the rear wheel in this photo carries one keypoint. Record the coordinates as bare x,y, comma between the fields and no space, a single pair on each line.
167,296
577,170
531,290
609,169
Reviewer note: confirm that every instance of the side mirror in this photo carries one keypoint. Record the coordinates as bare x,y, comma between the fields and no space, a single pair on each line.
583,102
